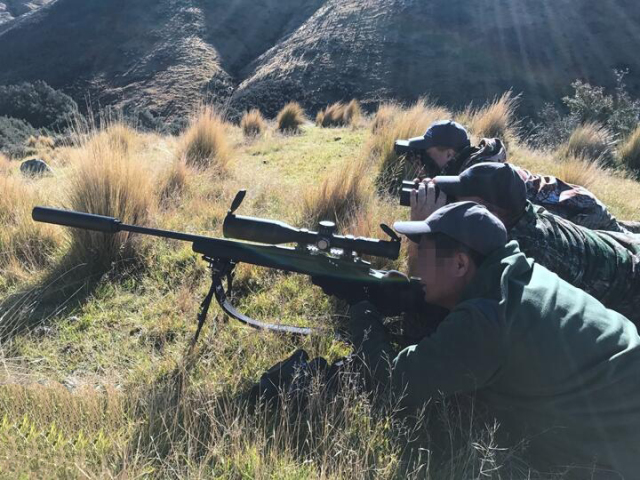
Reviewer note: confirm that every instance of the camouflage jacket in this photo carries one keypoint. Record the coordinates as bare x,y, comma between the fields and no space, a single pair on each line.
603,264
573,202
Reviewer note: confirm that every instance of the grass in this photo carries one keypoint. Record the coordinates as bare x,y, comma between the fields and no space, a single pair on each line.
496,119
109,181
204,144
290,118
340,115
340,198
401,123
104,387
629,152
5,165
253,123
589,141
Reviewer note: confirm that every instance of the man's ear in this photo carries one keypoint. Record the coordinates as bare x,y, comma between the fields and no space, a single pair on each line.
462,264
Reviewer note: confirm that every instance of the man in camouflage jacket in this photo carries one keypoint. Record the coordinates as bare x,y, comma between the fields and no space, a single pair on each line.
447,150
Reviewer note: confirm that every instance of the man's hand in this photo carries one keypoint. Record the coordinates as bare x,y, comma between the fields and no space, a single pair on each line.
426,200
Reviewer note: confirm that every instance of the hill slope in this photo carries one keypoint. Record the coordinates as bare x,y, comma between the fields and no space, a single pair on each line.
168,55
455,50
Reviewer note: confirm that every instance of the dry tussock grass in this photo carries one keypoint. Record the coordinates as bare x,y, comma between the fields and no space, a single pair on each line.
340,197
629,151
25,246
386,113
174,183
109,182
589,141
405,123
339,115
253,123
5,164
41,142
205,144
579,171
290,118
497,119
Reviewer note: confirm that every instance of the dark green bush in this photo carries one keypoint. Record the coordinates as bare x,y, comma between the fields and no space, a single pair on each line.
37,104
616,111
13,136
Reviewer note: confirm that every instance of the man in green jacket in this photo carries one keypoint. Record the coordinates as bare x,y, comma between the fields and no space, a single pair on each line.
549,361
603,264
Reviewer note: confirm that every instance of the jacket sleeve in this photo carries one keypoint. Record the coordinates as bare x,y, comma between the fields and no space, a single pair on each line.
465,353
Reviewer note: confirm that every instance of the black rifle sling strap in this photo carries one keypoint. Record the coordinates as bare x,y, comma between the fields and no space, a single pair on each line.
224,269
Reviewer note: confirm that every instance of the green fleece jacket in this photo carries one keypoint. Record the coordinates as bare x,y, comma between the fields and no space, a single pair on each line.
548,360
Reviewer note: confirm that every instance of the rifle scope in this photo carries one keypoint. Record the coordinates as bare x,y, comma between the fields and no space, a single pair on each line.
275,232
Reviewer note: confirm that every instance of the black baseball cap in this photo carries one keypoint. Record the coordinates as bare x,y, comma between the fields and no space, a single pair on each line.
467,222
444,133
498,184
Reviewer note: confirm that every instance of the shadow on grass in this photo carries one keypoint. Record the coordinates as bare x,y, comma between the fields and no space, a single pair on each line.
65,287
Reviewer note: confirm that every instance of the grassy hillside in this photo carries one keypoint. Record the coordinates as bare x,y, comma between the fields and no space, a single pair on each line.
169,55
96,380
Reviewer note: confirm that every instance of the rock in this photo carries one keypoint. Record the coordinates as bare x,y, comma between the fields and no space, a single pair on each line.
35,167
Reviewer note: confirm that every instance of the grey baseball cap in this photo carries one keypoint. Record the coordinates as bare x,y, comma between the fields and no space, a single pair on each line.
498,184
444,133
467,222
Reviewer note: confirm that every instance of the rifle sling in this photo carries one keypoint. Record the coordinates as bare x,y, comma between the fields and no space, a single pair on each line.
230,310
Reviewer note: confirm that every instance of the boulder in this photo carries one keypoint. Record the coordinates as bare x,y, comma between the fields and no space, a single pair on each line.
35,167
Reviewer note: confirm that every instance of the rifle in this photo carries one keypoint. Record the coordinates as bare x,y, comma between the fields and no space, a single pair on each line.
322,254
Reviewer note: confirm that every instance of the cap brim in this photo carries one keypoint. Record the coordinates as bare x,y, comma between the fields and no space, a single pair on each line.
420,142
413,230
450,185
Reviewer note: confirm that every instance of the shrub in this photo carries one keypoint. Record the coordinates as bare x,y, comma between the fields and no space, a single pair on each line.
589,141
37,104
253,123
629,151
339,198
290,118
204,144
353,112
495,119
407,123
108,182
14,134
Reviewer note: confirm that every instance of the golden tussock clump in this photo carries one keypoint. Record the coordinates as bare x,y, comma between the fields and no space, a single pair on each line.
108,182
579,171
5,165
629,151
253,123
339,198
403,124
339,115
40,142
494,120
290,118
205,144
589,141
174,182
25,245
384,116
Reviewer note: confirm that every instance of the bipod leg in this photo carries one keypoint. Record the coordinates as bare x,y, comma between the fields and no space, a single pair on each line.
219,270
